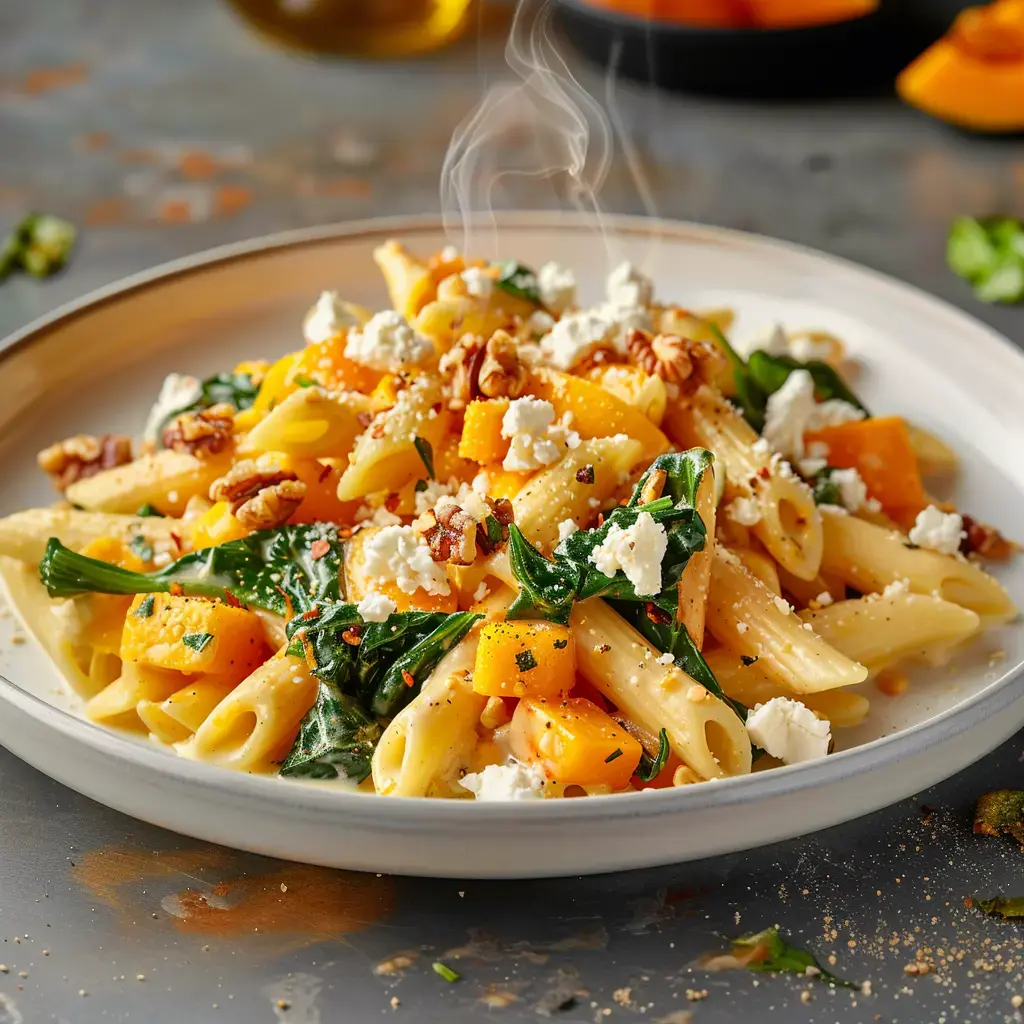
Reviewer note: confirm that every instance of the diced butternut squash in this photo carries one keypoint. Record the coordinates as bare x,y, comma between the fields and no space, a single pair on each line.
481,438
321,503
574,741
216,526
192,634
596,412
116,552
326,363
524,659
879,449
105,621
505,483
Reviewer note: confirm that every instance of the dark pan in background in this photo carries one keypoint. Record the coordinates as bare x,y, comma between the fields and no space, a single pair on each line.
850,56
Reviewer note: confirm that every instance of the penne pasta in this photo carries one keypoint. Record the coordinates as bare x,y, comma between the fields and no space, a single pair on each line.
745,615
696,577
310,423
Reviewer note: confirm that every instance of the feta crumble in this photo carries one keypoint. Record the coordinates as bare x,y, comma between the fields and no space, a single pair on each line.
853,493
399,554
792,411
429,494
376,607
637,550
388,342
367,516
328,317
481,592
665,659
478,283
824,599
896,588
744,511
539,323
557,287
789,730
577,337
536,440
178,391
938,531
506,782
776,342
628,286
449,254
566,528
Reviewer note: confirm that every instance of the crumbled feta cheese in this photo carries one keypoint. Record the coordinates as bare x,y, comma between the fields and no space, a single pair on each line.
429,494
853,493
367,516
177,392
577,337
788,730
388,342
376,607
328,317
627,286
665,659
557,287
566,528
742,627
773,342
783,605
449,254
744,511
72,615
536,440
478,283
792,411
472,502
824,599
626,318
399,554
637,550
816,460
896,588
506,782
938,531
539,323
481,592
806,348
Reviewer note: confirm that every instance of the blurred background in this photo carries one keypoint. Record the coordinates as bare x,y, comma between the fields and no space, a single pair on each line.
161,129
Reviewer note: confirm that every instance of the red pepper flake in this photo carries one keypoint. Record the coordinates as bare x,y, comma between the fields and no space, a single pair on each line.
764,473
600,520
407,677
319,548
344,532
657,615
325,472
176,538
378,431
176,590
289,608
604,648
352,636
313,613
307,650
364,419
230,600
391,502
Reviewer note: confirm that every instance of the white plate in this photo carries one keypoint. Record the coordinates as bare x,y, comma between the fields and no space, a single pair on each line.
95,366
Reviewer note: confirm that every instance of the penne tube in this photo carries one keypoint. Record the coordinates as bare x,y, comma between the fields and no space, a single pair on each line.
758,564
934,456
136,683
870,558
165,479
750,686
702,730
745,615
24,535
883,629
182,713
806,591
409,282
555,494
311,423
256,723
789,525
696,577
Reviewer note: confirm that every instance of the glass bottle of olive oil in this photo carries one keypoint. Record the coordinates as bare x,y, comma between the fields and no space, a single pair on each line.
369,28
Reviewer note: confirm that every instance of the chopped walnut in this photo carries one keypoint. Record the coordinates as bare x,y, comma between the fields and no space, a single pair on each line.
453,535
201,433
83,455
985,541
675,359
475,367
262,496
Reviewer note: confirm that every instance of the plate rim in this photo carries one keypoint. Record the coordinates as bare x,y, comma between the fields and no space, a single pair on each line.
399,812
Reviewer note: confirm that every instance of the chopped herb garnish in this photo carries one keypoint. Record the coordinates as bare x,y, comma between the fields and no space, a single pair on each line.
445,971
520,281
614,755
304,382
197,641
1000,813
768,953
147,510
493,530
988,253
824,489
421,486
145,608
1006,907
650,767
748,660
141,547
560,644
525,661
426,453
585,475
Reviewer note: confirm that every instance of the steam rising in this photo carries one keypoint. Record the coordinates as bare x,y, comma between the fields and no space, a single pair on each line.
543,126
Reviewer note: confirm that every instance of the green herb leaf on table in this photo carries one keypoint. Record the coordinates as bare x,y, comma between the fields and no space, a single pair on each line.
40,244
1006,907
520,281
426,453
445,971
1000,813
989,254
651,767
768,953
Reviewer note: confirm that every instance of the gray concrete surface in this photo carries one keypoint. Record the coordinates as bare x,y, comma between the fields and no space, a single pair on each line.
165,128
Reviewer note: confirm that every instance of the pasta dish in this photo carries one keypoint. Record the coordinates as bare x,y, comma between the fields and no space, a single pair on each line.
489,544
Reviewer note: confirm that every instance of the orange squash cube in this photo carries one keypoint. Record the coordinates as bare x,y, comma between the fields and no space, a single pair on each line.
525,659
192,634
481,438
574,741
216,526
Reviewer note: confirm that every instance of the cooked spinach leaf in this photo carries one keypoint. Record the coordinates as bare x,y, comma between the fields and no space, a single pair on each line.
237,389
1006,907
520,281
770,372
651,767
768,953
270,569
547,589
426,453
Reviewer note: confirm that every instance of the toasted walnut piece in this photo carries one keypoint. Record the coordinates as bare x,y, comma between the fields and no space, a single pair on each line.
271,506
985,541
201,433
450,534
501,510
460,366
501,373
83,455
675,359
